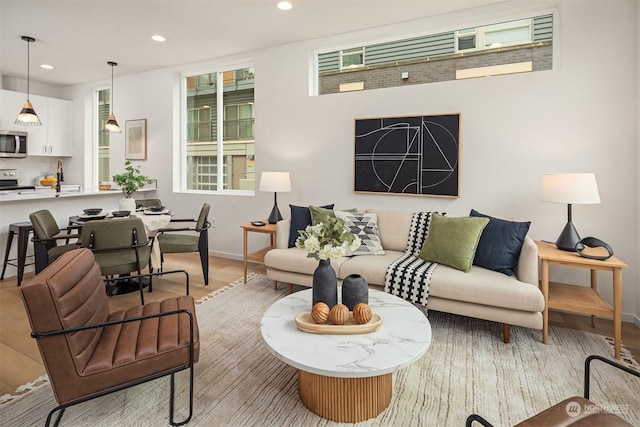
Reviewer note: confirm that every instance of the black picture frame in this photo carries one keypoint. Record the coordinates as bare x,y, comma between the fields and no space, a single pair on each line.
416,155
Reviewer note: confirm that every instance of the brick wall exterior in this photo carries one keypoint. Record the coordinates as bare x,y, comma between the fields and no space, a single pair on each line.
436,69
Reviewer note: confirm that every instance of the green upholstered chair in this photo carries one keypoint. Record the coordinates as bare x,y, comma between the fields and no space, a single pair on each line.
120,246
188,239
46,235
148,203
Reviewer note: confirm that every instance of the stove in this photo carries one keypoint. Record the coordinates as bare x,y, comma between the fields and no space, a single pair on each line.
9,181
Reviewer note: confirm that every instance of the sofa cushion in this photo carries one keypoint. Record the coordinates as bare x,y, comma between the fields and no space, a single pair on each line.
320,213
372,268
300,218
453,241
393,228
486,287
365,226
500,243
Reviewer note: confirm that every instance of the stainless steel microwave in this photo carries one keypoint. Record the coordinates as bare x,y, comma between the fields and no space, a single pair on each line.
13,143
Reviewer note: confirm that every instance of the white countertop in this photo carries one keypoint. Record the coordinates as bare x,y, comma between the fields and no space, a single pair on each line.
404,337
44,193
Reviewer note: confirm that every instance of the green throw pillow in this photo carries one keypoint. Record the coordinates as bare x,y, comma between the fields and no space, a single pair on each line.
453,241
320,214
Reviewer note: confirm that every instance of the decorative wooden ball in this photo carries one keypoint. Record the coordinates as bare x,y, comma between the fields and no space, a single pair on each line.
320,312
362,313
339,314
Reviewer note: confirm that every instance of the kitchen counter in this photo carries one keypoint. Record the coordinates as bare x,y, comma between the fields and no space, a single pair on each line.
69,191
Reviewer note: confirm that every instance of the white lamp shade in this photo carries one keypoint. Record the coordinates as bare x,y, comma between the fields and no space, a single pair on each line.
275,182
570,188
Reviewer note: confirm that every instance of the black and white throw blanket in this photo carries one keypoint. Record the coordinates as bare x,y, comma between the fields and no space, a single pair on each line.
408,277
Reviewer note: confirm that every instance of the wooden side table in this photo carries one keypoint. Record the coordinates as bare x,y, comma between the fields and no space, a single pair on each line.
258,255
580,299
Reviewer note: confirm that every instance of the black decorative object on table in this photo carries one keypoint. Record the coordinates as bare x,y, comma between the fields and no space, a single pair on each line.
354,291
325,284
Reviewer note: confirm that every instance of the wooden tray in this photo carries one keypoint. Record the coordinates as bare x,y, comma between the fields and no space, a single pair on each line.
305,323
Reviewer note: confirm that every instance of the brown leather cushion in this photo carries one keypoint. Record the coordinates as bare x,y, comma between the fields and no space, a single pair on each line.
574,411
70,293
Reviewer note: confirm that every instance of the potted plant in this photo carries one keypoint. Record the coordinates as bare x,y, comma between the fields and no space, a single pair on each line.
130,181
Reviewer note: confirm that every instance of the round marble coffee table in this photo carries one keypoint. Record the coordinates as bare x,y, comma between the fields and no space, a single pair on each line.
347,378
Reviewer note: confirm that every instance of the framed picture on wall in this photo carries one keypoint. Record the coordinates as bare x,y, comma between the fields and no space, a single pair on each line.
135,139
416,155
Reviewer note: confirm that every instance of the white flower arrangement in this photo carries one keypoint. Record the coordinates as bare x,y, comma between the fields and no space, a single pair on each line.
327,239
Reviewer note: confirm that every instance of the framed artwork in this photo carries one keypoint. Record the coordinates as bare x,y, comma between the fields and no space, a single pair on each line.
408,155
135,142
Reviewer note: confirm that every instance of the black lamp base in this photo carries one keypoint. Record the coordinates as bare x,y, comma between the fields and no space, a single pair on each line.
568,238
275,216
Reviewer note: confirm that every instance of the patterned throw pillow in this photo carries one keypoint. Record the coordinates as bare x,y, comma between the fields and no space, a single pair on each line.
365,226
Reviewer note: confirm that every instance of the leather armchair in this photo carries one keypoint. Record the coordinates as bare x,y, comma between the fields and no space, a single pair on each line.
574,410
47,234
89,352
188,239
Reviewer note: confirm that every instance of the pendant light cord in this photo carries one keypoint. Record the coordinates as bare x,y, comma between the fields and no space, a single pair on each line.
28,67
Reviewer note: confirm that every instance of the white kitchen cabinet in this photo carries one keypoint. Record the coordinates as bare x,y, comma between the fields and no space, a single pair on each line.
53,138
59,128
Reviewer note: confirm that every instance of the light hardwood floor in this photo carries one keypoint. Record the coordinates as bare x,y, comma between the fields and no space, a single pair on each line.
20,361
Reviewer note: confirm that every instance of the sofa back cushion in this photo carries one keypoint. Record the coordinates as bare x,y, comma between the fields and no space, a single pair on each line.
393,228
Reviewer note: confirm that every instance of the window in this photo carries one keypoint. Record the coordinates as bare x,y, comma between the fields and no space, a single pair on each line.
103,100
352,58
494,36
493,48
219,158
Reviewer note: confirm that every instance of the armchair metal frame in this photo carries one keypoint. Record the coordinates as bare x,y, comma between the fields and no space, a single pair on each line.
587,383
171,372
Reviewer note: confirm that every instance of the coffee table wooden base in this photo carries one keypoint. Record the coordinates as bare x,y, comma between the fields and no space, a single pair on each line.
346,400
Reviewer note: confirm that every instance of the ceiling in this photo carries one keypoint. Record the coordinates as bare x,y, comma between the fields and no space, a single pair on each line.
78,37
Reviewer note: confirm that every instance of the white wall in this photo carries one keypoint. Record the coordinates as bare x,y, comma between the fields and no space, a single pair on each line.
580,117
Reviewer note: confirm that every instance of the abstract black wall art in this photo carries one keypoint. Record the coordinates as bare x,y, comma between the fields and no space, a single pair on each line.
408,155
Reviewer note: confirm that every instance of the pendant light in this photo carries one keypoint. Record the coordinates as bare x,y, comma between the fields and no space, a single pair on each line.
112,125
28,116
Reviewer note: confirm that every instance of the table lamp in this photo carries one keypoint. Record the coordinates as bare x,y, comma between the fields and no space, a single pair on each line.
569,188
275,181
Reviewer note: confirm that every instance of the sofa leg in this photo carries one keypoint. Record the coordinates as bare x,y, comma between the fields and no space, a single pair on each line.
506,329
290,289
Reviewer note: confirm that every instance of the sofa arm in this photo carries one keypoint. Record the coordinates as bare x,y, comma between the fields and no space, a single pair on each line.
527,268
282,233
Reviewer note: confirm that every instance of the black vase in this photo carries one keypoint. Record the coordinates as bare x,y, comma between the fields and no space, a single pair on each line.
325,284
354,291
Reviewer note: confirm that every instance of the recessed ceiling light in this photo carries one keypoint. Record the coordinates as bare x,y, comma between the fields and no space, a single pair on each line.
47,66
284,5
158,38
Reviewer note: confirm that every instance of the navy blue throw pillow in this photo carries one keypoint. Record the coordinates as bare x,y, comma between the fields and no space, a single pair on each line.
500,244
300,218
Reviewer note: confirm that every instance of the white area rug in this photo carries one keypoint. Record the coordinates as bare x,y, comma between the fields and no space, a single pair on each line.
466,370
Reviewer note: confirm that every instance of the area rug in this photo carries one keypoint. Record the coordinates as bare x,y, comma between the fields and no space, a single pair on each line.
466,370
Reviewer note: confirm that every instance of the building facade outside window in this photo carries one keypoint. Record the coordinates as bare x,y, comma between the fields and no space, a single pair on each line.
220,158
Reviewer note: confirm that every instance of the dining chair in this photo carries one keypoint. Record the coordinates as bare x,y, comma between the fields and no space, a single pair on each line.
47,234
188,239
120,247
148,203
89,351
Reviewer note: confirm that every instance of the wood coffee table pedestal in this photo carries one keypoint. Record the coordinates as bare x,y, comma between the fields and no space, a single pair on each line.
347,378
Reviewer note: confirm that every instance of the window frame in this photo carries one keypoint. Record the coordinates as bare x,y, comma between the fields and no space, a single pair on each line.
181,134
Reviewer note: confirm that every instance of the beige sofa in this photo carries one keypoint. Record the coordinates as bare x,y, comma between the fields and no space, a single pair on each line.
480,293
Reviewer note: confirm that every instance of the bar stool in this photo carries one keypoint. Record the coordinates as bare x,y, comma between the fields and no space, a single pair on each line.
22,229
